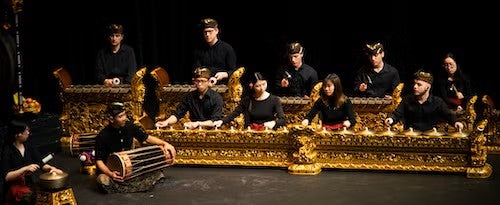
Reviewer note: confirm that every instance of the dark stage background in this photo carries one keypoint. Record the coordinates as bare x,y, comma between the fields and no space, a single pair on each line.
416,34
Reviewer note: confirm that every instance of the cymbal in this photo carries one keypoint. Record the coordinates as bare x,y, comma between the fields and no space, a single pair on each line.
343,131
460,134
367,132
388,132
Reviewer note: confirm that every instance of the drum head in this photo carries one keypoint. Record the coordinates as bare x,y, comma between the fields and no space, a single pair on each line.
114,163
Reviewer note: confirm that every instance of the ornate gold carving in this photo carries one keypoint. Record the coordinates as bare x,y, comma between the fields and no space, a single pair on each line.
66,196
84,106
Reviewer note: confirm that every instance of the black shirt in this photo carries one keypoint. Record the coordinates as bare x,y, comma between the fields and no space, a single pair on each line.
446,88
121,64
379,84
300,81
13,160
329,114
112,139
259,111
218,58
207,108
424,116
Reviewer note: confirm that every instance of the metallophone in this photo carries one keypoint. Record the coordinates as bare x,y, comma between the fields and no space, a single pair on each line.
84,106
308,150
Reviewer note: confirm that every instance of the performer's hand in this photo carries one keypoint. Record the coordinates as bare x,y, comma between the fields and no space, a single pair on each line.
163,123
108,82
170,149
363,87
346,123
305,122
284,82
192,125
31,168
115,175
389,121
218,123
221,75
55,170
270,124
387,97
460,108
460,95
459,126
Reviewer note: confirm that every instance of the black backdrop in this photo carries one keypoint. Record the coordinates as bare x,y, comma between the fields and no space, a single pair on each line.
416,34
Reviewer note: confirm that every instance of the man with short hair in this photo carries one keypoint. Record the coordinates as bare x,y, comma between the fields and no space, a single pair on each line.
118,136
377,78
116,62
215,54
422,111
204,104
297,78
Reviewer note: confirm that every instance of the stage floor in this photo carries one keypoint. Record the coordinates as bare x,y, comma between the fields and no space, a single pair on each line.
231,185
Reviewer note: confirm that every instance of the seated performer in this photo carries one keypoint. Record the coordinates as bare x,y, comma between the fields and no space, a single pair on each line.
377,78
20,162
118,136
296,78
204,104
261,110
453,85
334,108
115,63
422,111
215,54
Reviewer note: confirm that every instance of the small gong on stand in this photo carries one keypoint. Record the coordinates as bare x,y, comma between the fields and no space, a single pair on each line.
53,189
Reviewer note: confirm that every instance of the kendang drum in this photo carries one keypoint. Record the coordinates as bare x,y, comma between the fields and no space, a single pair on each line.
80,143
136,162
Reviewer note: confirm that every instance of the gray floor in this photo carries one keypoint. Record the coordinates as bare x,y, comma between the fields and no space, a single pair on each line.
224,185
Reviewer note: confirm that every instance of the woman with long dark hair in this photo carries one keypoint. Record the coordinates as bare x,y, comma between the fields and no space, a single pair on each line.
334,108
261,110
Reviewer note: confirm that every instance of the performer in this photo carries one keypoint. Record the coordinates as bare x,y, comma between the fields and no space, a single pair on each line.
116,62
118,136
421,110
297,78
204,104
334,108
454,85
20,163
215,54
261,110
378,78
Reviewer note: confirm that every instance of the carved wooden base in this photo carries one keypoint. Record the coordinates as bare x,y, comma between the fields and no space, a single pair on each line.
304,169
88,169
61,197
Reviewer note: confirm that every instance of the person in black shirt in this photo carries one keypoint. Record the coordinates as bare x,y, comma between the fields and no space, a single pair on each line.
297,78
378,78
454,85
215,54
116,62
204,104
261,110
20,162
118,136
421,110
334,108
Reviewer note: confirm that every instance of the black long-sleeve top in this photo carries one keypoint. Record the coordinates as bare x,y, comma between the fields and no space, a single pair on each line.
121,64
301,81
259,111
445,88
329,114
379,84
207,108
424,116
111,139
219,57
13,160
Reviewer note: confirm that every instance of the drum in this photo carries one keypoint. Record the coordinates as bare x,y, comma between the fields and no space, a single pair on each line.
136,162
82,143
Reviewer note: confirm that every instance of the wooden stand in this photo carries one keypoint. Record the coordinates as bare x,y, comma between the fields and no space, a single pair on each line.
56,197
